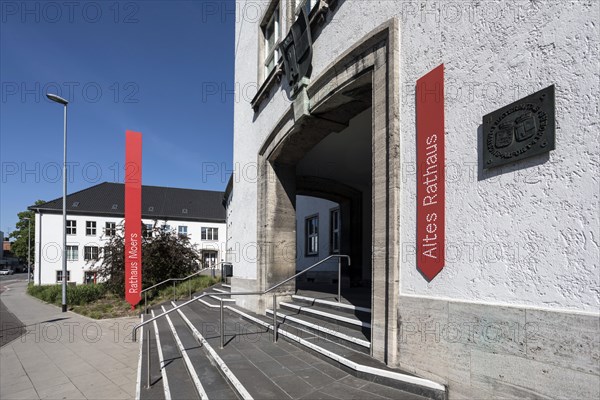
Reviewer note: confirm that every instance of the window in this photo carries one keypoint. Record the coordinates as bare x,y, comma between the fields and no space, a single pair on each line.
308,5
210,233
334,231
59,276
166,228
271,33
147,231
312,235
90,253
110,229
71,227
90,228
89,277
72,253
182,230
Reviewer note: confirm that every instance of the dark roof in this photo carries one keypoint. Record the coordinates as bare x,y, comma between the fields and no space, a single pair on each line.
158,202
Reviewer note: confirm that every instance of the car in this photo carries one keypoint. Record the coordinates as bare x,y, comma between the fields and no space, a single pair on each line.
6,271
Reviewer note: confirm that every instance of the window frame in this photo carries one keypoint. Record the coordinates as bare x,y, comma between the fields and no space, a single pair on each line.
179,230
147,231
72,250
91,256
333,249
299,4
59,271
110,229
86,274
308,236
71,227
204,233
271,55
90,226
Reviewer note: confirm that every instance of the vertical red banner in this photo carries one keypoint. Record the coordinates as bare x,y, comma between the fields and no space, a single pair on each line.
431,188
133,217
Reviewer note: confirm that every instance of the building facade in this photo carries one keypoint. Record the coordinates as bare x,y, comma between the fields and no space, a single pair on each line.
95,214
514,311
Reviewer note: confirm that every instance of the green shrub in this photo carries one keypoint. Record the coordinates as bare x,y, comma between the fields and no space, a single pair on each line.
76,295
52,294
84,294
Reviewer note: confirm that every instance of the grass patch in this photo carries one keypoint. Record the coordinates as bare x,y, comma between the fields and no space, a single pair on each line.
110,306
95,301
182,290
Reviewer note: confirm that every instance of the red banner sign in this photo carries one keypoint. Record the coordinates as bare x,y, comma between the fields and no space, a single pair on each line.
430,173
133,217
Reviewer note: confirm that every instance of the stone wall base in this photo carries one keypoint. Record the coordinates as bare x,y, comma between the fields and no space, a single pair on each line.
491,351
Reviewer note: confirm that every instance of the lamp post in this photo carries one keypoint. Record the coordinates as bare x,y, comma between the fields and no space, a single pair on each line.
28,249
64,102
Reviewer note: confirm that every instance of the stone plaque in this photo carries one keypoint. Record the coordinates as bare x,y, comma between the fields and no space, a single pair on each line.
519,130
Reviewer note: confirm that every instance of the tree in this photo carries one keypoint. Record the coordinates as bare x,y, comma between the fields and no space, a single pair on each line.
164,255
20,247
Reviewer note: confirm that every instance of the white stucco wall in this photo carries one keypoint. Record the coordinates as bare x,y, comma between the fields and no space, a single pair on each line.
526,234
48,242
308,206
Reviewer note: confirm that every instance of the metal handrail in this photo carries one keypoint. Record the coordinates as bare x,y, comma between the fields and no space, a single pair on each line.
338,256
145,291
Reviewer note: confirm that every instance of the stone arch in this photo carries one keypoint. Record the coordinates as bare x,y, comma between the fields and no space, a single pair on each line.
364,76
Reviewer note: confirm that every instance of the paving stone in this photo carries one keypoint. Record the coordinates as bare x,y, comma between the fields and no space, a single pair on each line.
11,386
318,395
345,392
292,362
315,378
293,385
26,394
389,392
61,391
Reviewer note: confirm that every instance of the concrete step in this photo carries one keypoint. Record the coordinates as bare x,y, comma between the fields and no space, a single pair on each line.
221,289
356,363
349,308
177,382
209,382
213,301
349,337
156,390
240,356
280,370
359,320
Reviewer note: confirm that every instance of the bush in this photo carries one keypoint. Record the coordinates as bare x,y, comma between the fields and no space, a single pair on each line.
165,255
76,295
84,294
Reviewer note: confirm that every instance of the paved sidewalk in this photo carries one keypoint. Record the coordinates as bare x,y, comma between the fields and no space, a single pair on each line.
65,355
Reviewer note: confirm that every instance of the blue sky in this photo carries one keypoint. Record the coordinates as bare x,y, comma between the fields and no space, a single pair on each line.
158,67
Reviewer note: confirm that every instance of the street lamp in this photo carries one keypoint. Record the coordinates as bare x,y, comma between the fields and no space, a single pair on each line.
28,249
64,102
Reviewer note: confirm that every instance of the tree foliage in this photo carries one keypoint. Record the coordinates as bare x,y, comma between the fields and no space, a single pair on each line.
20,235
164,255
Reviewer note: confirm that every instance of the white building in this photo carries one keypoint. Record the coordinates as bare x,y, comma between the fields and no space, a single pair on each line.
514,312
96,213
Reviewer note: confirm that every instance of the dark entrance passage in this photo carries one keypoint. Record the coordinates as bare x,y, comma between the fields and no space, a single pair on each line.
334,179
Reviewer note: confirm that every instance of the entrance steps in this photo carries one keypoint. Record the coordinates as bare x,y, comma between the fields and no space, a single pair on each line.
322,354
